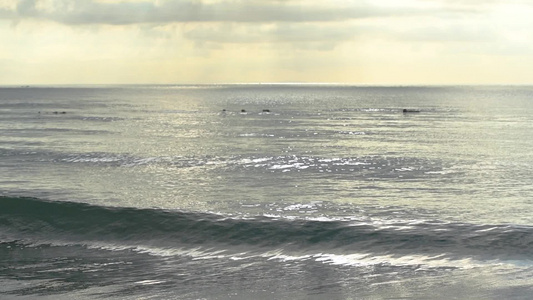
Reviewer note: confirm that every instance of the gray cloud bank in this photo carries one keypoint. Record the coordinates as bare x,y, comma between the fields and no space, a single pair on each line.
318,25
81,12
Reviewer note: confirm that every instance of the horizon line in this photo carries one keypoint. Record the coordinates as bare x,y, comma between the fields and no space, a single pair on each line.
23,85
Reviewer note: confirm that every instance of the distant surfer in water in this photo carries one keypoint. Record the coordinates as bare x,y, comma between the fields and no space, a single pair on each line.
405,110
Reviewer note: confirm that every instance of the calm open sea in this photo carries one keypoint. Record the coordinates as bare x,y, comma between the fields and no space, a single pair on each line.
311,192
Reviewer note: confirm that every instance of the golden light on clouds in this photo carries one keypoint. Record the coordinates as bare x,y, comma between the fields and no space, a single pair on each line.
373,42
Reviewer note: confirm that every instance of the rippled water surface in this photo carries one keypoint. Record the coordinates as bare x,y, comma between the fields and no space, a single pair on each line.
266,191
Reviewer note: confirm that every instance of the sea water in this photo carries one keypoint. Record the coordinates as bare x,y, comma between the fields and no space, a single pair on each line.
268,191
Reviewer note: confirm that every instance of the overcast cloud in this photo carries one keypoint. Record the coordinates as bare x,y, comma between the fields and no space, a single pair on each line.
249,11
361,41
271,21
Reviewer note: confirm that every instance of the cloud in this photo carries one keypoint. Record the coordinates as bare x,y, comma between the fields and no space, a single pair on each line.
401,41
272,33
319,25
166,11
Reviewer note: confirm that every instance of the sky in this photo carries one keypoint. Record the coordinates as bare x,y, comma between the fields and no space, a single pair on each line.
378,42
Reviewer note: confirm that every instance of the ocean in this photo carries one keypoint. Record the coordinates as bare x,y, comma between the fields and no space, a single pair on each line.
266,191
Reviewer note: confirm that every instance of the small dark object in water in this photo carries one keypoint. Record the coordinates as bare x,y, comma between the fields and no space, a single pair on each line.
243,110
266,110
224,110
405,110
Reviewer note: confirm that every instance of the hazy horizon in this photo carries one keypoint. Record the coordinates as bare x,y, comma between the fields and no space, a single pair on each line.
383,42
199,84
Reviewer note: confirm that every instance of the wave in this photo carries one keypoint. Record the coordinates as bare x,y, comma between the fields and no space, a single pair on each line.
376,167
37,221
